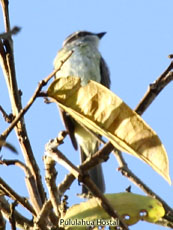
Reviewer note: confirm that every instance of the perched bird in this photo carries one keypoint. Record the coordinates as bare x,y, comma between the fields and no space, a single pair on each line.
87,63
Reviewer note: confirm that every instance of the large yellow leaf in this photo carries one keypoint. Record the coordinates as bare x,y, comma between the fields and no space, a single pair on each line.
131,207
100,110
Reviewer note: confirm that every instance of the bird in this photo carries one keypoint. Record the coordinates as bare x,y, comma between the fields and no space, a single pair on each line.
87,63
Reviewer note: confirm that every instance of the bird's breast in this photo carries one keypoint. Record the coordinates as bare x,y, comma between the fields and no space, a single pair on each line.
83,63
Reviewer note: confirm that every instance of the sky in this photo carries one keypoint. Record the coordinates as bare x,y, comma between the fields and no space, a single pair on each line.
136,48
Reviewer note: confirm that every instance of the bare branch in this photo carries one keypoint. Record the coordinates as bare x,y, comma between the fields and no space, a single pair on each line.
33,98
132,177
98,157
8,145
21,221
13,195
154,89
8,67
61,159
12,216
44,214
21,131
66,183
30,183
4,4
2,221
50,178
8,118
165,223
13,31
125,171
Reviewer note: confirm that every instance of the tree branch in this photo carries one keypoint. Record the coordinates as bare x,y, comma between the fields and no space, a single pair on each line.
80,175
30,183
32,99
21,221
13,195
13,31
154,89
50,178
2,221
8,67
12,215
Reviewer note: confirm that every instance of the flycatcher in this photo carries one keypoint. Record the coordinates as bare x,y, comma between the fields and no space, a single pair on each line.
87,63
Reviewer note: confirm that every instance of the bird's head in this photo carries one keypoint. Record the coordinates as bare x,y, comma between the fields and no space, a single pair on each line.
84,36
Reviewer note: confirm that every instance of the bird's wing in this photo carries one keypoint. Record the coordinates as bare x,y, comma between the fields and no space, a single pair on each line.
69,122
70,126
105,75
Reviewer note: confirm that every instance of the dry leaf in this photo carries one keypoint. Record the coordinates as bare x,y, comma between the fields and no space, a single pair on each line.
100,110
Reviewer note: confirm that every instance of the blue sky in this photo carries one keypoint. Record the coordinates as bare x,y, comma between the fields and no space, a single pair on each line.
138,41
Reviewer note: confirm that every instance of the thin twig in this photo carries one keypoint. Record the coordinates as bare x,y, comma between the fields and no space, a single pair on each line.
13,195
44,214
33,98
132,177
2,221
49,204
7,117
66,183
165,223
99,157
125,171
8,145
29,157
7,62
30,183
12,215
13,31
61,159
8,67
154,89
50,178
21,221
5,11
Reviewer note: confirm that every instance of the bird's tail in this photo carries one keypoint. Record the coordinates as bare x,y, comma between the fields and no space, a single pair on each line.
96,174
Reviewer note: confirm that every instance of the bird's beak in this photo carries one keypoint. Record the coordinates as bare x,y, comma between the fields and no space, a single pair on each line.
100,35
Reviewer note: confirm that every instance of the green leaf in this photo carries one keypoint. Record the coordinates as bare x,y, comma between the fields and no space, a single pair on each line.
130,206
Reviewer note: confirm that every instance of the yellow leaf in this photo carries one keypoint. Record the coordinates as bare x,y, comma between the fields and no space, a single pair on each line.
100,110
130,206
